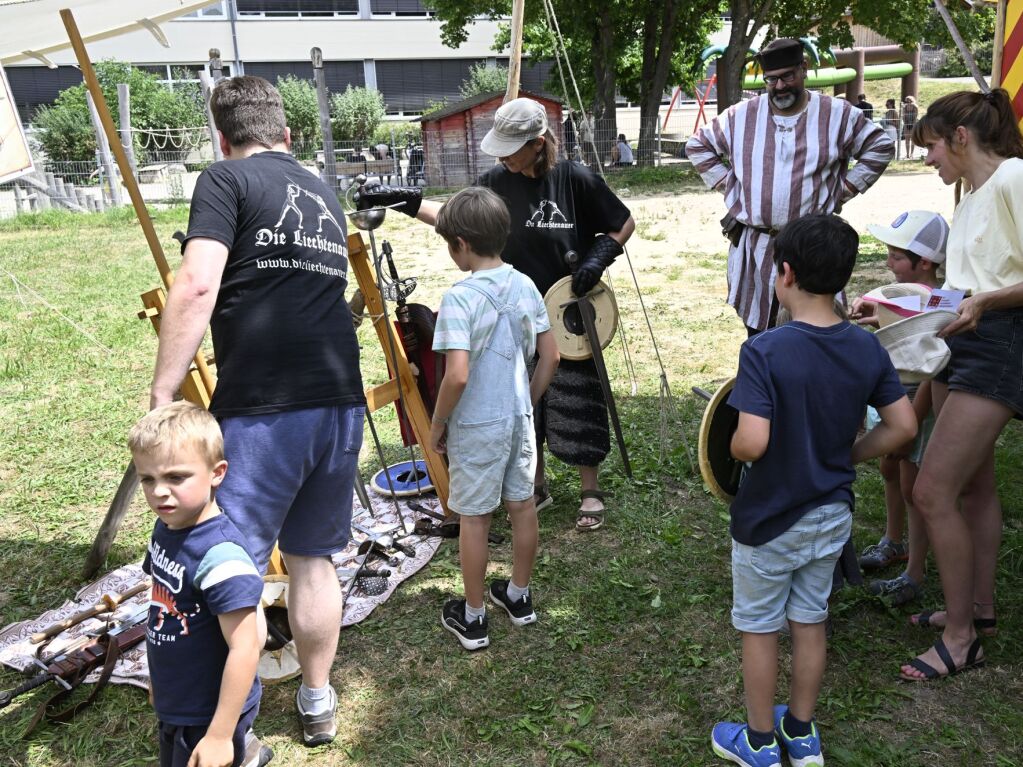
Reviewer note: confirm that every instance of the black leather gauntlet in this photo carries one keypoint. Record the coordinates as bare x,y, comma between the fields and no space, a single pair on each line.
603,253
374,195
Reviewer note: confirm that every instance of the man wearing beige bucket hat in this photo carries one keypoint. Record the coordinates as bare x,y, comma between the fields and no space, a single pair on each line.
556,206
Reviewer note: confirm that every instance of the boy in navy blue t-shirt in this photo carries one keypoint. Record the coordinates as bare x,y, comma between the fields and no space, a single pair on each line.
801,391
203,639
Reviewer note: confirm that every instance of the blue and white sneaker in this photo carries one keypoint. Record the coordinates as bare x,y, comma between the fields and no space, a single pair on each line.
804,751
730,741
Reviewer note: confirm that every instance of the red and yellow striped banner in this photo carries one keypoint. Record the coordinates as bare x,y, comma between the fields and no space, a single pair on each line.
1012,56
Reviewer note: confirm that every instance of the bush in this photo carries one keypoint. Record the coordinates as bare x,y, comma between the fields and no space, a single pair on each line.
955,66
404,133
355,114
484,79
65,128
301,109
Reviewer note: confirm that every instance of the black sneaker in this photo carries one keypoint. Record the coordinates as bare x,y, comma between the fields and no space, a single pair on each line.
472,636
520,612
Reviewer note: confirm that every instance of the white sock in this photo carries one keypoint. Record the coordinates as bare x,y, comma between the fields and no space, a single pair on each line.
515,593
472,613
315,700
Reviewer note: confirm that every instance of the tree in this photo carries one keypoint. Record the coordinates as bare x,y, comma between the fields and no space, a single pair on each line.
301,109
828,20
65,128
977,27
356,113
483,79
639,45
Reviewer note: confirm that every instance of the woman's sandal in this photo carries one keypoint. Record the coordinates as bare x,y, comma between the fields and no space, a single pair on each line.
542,496
597,515
985,626
930,673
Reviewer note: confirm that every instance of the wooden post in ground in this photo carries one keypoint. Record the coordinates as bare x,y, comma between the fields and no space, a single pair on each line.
103,145
323,103
206,84
124,112
216,66
515,55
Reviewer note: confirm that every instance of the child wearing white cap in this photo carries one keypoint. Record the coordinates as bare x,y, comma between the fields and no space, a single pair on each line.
916,248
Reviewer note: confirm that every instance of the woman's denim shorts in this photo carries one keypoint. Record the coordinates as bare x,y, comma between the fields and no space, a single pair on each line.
988,361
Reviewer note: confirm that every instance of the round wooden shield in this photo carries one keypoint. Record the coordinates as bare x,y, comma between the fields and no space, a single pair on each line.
402,479
720,471
281,662
567,325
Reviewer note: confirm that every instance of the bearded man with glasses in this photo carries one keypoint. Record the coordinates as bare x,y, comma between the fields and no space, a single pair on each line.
778,157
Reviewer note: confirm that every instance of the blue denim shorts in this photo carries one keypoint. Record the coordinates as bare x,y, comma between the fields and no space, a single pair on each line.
988,361
790,576
291,477
490,461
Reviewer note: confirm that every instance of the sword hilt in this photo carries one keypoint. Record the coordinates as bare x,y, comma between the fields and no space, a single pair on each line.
37,681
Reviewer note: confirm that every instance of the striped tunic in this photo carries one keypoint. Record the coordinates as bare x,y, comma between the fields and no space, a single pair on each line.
774,169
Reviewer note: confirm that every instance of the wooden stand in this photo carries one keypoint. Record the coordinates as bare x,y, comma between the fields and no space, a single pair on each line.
386,393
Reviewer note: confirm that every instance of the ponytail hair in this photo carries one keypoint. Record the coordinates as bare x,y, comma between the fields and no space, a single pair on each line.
988,116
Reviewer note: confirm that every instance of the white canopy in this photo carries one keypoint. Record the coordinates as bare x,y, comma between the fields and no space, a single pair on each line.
31,29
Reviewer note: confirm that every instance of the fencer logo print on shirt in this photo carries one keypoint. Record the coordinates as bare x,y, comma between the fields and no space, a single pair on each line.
549,216
295,227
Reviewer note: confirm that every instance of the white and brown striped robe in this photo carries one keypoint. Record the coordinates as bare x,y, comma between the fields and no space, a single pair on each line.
775,169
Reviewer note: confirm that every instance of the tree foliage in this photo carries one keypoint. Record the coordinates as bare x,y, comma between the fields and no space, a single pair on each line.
636,47
828,20
977,28
483,79
301,109
356,113
65,128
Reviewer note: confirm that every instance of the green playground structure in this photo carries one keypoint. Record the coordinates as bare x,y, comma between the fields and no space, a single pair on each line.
830,76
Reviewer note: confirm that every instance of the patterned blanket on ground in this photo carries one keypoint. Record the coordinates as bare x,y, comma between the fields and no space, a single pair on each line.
17,652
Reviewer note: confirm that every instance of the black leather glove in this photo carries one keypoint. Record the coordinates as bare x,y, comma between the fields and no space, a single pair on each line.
375,194
603,253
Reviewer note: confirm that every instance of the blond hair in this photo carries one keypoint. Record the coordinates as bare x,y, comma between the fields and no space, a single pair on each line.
176,427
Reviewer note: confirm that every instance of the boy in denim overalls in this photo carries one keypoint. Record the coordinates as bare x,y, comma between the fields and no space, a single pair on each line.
489,325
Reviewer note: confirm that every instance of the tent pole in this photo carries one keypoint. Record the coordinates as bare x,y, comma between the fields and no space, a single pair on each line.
999,51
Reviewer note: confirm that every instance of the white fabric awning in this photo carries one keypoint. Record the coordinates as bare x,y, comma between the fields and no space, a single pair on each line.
31,29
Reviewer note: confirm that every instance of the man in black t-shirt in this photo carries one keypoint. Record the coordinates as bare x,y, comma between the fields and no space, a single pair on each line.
266,265
865,106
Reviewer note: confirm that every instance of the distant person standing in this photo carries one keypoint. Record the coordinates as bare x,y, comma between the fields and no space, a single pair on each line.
865,106
800,165
909,112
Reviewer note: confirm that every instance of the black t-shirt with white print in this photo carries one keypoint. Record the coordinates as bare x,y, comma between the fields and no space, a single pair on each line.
282,332
562,211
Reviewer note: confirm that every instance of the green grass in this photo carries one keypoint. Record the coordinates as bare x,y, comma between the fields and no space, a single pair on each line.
633,659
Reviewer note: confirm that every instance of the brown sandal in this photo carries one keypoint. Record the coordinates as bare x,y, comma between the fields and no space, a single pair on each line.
597,515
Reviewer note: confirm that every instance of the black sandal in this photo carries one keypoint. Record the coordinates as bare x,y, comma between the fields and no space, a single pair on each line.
930,673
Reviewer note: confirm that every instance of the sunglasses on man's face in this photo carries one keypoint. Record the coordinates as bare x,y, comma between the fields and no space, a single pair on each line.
786,77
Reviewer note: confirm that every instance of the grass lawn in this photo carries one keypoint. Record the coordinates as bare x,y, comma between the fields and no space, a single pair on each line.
633,659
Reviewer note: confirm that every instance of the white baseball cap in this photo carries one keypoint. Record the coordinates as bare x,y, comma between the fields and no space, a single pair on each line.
922,232
515,123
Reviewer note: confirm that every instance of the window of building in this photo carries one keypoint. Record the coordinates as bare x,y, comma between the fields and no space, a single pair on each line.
338,75
399,8
411,85
214,11
273,8
33,87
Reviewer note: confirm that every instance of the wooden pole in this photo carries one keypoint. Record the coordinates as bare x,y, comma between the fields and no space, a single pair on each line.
999,50
124,112
216,66
103,147
323,103
89,75
515,57
206,84
971,63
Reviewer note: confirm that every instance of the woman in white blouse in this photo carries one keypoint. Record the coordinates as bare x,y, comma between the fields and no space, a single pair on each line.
973,137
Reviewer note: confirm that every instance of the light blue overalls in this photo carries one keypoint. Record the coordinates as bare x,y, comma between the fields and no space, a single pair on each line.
490,440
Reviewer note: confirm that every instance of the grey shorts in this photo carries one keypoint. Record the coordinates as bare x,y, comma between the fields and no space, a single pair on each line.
490,461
